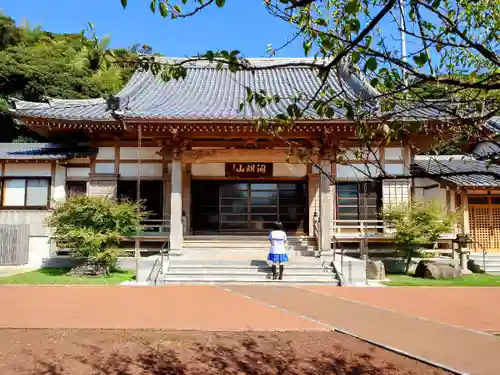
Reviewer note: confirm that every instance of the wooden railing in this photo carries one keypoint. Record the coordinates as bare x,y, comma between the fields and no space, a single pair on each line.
158,227
366,231
360,228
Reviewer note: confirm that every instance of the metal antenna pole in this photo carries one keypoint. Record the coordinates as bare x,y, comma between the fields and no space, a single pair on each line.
402,14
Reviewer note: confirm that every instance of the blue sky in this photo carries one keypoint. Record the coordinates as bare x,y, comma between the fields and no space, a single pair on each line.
249,28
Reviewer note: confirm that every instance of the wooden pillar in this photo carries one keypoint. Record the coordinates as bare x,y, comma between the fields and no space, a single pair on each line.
464,199
326,208
186,197
176,206
408,161
313,197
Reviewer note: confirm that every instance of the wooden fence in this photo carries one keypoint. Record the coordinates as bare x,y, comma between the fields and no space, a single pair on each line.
14,244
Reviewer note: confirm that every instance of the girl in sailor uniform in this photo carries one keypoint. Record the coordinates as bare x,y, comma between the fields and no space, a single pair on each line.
277,253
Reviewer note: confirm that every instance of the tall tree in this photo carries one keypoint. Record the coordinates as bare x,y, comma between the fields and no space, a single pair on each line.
454,57
35,64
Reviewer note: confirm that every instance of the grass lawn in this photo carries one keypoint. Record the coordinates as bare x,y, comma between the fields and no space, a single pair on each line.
479,279
47,276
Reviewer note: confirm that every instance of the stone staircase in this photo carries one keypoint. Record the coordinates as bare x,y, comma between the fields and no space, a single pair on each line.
490,264
242,259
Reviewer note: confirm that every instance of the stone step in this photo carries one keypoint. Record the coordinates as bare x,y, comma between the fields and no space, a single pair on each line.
200,246
288,281
228,278
214,266
247,272
238,255
260,237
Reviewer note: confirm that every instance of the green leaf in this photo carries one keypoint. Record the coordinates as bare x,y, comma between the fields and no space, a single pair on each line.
371,64
356,56
293,110
249,95
152,5
163,10
220,3
307,47
374,82
209,55
351,7
321,22
420,59
124,3
178,9
241,107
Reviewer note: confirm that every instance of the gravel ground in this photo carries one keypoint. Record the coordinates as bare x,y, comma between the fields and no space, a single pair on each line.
134,352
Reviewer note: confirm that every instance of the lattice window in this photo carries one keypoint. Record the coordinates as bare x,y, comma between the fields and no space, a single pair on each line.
495,228
75,188
352,203
396,191
479,224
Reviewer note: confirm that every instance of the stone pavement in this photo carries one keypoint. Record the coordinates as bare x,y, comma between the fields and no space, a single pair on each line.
272,308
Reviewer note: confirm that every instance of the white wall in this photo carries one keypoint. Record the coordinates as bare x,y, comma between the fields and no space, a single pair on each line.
129,170
106,168
106,153
208,170
39,249
357,172
28,170
146,153
289,170
394,153
59,184
77,173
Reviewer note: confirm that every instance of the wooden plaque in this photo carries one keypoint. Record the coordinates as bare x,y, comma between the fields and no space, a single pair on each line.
249,170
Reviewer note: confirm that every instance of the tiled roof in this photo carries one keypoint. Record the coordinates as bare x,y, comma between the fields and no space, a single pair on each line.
41,151
493,124
460,170
208,93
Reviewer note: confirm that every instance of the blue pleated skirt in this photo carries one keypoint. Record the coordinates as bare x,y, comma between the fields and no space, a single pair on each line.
277,258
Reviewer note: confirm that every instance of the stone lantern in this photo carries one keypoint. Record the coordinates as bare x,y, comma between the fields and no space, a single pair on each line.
463,241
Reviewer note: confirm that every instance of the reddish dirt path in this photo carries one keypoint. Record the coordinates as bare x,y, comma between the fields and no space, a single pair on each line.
82,352
474,308
169,307
457,348
270,308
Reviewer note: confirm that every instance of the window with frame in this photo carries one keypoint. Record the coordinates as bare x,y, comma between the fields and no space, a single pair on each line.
358,201
76,188
25,192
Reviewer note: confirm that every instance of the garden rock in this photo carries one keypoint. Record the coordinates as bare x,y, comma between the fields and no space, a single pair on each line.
429,269
375,270
473,267
398,265
88,269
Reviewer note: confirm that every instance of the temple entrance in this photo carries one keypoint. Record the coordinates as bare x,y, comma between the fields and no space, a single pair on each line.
246,207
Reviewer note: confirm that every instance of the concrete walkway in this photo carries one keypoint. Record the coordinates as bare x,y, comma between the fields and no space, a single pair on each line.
458,348
14,270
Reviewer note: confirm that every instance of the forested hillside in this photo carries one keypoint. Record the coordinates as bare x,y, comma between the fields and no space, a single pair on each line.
35,63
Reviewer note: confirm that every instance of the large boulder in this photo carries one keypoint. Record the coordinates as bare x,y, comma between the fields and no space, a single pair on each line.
428,269
396,265
89,269
474,267
375,270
